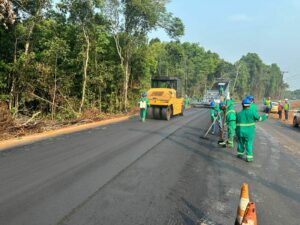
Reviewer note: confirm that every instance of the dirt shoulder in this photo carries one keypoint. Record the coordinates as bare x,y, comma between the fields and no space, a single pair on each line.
286,134
41,131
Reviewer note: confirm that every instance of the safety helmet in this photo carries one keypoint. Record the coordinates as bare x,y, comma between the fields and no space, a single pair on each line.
246,102
286,99
144,94
222,105
212,103
250,97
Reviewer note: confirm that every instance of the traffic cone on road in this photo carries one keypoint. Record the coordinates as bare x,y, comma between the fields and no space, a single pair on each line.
244,200
250,215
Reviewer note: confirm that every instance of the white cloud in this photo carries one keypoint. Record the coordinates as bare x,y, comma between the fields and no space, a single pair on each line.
240,18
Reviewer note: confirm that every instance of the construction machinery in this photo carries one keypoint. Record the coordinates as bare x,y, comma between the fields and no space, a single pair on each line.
165,98
214,94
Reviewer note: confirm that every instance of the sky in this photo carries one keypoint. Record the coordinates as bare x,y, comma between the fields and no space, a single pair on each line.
232,28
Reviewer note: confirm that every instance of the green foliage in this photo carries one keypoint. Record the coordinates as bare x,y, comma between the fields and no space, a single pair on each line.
50,76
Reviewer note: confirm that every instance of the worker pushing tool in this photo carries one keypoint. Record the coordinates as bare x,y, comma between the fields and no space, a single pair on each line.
246,129
230,123
215,115
143,104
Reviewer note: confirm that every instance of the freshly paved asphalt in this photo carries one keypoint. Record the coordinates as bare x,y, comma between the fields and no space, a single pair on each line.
156,172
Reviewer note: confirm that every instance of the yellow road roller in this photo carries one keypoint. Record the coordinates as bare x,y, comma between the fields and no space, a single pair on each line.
165,98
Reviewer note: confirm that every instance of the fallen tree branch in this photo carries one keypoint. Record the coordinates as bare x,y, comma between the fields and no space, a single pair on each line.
33,116
69,104
45,100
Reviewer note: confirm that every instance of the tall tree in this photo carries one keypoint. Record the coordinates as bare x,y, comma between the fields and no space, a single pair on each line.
131,21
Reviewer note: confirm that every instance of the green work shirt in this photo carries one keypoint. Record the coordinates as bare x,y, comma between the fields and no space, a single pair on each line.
214,111
186,100
253,107
230,112
246,122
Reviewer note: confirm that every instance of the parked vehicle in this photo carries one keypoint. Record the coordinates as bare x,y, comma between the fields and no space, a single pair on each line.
296,120
274,108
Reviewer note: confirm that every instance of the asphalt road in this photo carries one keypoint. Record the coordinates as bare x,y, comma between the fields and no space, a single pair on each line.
155,173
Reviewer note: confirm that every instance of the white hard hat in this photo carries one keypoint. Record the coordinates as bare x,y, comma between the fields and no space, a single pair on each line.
286,99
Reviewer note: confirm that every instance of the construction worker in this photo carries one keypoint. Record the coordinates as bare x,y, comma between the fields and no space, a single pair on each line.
280,109
143,104
221,90
230,123
214,115
268,104
186,101
253,105
286,107
246,129
221,122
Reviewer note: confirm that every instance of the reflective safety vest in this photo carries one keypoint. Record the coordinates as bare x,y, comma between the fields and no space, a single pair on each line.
143,104
286,106
268,102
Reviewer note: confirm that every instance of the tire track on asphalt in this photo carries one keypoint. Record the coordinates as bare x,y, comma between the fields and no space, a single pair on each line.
68,216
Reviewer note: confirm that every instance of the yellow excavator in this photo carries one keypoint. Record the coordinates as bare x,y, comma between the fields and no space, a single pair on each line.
165,98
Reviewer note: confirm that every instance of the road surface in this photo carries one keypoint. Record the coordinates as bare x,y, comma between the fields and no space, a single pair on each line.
155,173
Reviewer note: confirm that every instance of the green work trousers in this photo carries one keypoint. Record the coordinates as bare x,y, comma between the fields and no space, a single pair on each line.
231,126
246,143
143,113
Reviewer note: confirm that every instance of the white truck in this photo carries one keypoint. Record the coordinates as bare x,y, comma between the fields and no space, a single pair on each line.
219,92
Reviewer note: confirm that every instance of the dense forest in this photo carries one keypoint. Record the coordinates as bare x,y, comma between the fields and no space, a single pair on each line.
64,57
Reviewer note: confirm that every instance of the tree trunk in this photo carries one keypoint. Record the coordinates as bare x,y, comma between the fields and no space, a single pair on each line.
100,99
55,88
126,81
36,16
85,68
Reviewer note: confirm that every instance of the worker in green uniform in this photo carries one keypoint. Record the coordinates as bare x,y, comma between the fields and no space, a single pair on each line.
221,122
246,129
253,106
214,115
143,104
221,90
186,101
230,123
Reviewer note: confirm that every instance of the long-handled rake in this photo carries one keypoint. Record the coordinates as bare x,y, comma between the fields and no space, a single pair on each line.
205,135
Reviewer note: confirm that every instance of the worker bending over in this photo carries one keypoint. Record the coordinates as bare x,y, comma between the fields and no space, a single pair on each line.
246,129
215,115
230,123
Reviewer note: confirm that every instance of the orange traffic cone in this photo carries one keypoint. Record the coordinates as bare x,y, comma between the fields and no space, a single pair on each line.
250,215
243,204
